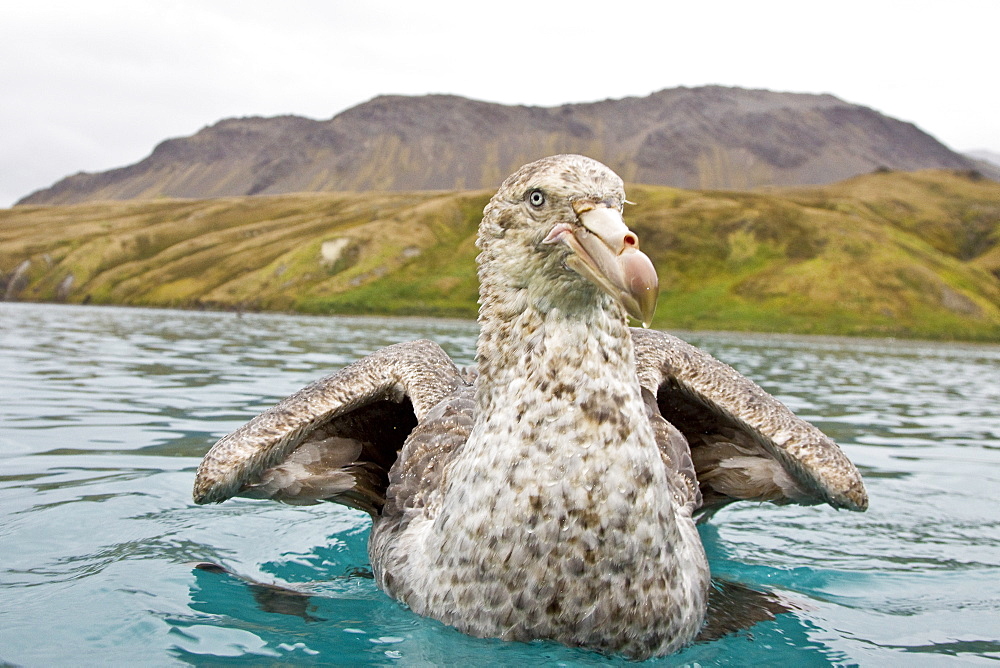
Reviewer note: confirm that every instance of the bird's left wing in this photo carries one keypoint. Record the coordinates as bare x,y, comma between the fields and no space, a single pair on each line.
744,443
336,439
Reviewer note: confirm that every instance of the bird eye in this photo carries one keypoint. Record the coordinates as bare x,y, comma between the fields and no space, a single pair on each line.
536,198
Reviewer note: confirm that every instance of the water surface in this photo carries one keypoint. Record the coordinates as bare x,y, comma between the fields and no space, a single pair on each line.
105,412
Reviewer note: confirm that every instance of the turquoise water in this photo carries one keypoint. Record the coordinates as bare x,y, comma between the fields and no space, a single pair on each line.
105,412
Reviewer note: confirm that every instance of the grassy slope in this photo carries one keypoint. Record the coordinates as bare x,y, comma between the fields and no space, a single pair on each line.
904,254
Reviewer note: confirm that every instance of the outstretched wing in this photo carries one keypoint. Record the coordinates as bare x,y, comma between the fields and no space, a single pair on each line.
744,443
336,439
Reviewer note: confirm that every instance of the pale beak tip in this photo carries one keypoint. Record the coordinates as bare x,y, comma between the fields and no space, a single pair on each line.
643,286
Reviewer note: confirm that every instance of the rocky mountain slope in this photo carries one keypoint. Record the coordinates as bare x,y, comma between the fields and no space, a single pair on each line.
711,137
888,253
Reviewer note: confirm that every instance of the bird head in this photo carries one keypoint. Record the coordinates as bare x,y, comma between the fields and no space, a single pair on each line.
554,231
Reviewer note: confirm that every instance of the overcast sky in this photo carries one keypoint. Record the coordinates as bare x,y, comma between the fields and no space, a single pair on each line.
88,85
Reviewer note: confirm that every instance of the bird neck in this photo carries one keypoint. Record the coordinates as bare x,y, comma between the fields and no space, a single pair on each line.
546,336
546,349
557,386
557,399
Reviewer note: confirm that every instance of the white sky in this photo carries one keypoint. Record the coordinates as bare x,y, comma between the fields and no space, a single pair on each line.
88,85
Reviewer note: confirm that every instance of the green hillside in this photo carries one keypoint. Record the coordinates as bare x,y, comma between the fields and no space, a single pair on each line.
893,254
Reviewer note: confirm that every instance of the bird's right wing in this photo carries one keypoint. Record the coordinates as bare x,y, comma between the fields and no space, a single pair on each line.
336,439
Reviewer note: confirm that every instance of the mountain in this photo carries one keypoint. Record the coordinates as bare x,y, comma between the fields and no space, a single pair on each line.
711,137
887,254
991,157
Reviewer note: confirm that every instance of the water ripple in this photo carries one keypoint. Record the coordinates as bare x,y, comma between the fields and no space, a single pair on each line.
105,413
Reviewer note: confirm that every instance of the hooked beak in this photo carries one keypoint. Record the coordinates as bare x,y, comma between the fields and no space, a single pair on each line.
606,252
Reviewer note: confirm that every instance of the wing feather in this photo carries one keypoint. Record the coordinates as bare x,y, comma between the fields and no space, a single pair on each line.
745,444
336,438
676,455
